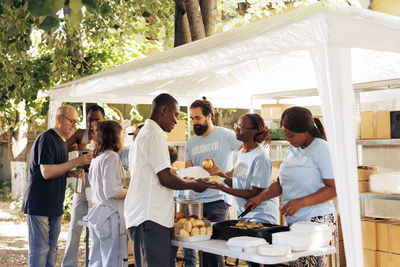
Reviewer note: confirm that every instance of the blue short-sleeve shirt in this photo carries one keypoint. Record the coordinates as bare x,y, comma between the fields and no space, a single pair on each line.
254,169
218,145
301,173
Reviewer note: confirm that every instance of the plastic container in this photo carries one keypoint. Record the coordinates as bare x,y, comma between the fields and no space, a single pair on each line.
247,244
274,250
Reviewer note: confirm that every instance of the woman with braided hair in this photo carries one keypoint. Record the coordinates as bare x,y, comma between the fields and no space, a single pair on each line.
305,180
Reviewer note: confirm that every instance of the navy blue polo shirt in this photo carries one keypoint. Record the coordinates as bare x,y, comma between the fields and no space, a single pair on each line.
45,197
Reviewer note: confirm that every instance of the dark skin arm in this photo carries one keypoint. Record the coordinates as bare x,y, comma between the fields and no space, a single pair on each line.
244,193
171,181
74,140
324,194
272,191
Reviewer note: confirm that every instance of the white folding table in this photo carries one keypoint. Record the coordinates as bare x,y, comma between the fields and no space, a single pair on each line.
219,247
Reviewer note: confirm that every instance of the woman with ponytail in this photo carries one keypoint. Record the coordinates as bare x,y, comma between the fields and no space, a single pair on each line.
252,171
305,180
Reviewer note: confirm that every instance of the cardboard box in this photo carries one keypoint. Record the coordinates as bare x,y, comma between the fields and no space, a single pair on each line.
367,125
273,111
375,124
178,134
363,186
382,126
370,258
387,259
368,227
388,233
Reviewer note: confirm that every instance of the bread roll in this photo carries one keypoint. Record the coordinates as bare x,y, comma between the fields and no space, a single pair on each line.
187,226
183,233
203,230
198,223
195,231
209,230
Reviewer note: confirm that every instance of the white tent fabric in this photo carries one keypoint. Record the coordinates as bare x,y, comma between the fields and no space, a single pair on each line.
322,46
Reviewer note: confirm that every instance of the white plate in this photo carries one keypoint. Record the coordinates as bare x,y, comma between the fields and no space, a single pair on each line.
195,238
274,250
194,171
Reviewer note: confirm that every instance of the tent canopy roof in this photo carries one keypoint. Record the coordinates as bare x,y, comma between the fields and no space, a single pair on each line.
271,55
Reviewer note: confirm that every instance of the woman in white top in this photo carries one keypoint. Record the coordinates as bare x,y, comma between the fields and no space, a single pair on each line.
106,220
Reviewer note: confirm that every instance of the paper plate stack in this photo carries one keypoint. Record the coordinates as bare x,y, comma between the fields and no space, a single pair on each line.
246,244
304,236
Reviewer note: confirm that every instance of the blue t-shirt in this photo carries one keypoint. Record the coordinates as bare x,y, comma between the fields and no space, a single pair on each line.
45,197
302,173
254,169
219,146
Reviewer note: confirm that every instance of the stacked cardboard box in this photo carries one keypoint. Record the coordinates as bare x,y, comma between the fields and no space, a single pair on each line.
364,173
388,245
375,124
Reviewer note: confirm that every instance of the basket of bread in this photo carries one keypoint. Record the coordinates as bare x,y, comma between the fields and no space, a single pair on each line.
192,229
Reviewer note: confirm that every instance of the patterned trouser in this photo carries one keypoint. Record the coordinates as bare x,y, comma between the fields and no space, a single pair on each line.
320,261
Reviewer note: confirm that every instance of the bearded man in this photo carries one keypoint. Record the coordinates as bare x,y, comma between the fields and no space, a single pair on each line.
217,143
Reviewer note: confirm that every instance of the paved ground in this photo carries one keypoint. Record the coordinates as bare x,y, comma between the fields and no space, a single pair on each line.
14,239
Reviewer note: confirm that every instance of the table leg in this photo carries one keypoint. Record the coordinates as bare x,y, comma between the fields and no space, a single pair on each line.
200,258
87,246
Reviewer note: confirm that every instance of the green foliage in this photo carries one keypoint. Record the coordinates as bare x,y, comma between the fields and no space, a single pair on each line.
5,189
69,196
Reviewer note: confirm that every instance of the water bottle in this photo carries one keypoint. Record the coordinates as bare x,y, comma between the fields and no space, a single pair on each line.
79,181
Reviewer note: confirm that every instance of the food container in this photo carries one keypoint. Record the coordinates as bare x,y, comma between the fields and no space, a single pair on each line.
196,238
223,230
247,244
190,207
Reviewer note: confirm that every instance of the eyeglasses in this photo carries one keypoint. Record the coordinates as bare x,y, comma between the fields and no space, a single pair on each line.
73,122
239,126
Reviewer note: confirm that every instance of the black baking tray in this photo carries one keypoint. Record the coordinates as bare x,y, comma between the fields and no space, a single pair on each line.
223,230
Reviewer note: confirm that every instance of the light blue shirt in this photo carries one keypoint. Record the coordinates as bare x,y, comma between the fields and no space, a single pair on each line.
302,173
254,169
219,146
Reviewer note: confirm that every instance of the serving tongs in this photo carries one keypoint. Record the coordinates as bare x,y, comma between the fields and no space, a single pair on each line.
244,212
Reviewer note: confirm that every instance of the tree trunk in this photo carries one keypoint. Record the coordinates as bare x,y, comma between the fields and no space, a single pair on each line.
182,30
209,13
195,20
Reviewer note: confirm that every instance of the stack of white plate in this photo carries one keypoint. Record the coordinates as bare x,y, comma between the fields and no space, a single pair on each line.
304,236
246,244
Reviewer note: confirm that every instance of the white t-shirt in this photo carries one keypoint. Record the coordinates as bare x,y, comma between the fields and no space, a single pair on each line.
105,177
147,199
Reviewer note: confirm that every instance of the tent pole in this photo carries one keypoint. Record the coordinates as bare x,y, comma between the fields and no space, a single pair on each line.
332,66
188,121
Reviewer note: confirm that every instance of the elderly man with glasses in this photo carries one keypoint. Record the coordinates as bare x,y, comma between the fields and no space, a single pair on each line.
45,192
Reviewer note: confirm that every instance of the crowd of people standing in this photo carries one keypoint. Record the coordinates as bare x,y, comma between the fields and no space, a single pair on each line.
145,210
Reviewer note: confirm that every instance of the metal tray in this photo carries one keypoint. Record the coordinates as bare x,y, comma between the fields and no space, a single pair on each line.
224,231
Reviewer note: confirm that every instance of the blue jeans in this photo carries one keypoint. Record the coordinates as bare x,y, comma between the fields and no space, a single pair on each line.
43,235
190,257
109,247
79,210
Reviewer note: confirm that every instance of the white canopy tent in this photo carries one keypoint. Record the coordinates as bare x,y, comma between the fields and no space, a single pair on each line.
322,46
